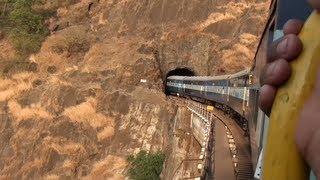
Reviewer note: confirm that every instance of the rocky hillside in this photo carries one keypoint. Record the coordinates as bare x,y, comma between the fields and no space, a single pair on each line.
78,107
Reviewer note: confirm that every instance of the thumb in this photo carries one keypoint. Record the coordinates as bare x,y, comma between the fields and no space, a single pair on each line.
308,132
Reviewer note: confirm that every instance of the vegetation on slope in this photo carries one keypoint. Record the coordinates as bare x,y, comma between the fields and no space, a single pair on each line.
24,26
145,165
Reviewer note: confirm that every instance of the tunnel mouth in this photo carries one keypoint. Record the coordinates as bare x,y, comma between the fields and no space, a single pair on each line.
181,71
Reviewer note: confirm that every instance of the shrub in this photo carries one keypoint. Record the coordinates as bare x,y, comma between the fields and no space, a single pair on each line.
24,42
25,19
145,166
25,26
71,40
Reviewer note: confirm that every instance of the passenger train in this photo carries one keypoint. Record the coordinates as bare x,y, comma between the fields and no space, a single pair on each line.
240,91
229,91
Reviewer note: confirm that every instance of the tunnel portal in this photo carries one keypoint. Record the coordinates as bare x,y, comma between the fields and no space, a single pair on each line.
178,72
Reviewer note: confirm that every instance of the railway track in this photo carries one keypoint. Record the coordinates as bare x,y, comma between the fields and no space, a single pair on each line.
244,169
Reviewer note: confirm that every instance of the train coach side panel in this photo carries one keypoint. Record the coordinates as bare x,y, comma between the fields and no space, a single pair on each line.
236,104
254,126
190,91
217,91
219,98
172,90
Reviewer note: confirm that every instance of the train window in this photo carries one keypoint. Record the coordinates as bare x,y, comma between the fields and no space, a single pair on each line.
298,10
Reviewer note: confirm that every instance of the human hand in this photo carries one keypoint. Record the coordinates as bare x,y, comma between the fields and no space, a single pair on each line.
277,71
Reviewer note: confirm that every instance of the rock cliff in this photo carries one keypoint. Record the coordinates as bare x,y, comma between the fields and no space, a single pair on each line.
78,108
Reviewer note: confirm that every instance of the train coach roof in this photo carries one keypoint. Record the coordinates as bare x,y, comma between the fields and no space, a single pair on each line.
176,77
208,78
241,73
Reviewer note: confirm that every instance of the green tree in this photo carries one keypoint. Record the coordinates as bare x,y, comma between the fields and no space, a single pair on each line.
146,166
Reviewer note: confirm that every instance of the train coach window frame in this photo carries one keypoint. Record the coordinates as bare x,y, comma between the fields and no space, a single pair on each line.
299,9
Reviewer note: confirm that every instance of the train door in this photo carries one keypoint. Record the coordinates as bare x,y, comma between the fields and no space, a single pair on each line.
286,9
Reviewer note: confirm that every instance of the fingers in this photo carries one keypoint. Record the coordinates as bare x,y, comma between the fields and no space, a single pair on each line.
293,26
276,73
315,4
288,47
267,95
291,29
278,70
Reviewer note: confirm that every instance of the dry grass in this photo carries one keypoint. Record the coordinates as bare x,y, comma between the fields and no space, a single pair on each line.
213,18
244,51
8,93
102,19
113,53
30,166
47,58
63,146
237,58
53,5
14,86
5,177
98,57
7,51
112,167
4,83
74,14
62,49
231,10
51,177
248,39
235,8
68,148
105,133
240,55
86,113
68,164
33,112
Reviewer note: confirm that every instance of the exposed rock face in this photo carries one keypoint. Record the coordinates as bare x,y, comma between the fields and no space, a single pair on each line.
78,108
223,41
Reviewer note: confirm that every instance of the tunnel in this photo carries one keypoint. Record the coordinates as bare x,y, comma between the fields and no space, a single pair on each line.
182,71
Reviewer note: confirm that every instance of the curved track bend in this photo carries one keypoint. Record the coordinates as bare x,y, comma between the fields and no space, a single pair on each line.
228,136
